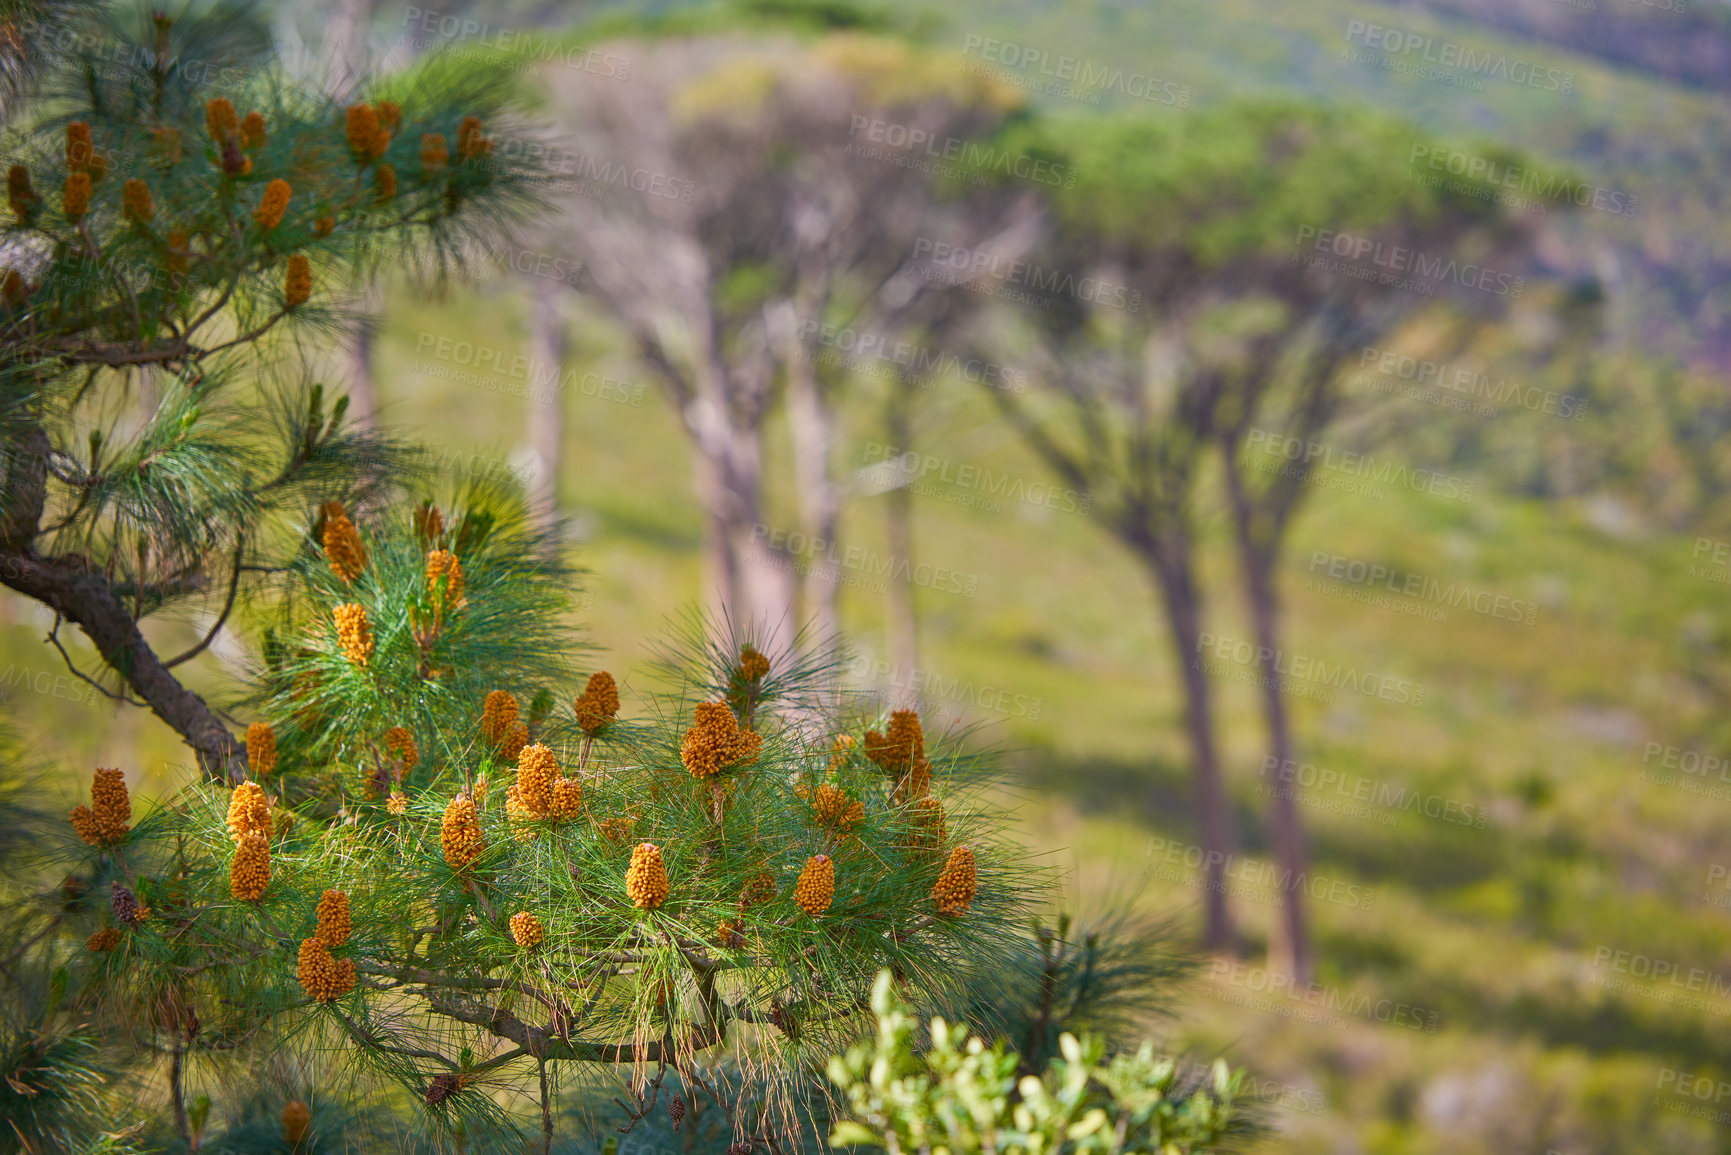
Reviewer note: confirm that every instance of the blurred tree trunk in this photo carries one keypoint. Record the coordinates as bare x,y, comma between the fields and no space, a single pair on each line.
546,409
363,397
345,43
812,425
1169,558
345,63
902,619
1291,950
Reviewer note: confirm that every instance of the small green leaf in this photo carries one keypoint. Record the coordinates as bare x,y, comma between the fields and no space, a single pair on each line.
851,1134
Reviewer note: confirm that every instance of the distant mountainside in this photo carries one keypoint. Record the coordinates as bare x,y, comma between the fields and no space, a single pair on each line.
1686,42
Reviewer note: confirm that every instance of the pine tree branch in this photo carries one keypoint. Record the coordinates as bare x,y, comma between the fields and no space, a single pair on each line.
74,588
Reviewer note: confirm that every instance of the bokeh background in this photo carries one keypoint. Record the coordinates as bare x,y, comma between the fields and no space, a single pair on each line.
1519,876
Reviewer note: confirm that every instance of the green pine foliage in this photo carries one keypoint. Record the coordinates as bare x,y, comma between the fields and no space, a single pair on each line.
725,966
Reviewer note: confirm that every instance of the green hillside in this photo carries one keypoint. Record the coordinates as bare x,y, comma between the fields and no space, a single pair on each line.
1521,886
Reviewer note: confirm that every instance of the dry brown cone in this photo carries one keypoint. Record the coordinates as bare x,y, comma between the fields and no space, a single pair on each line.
460,833
296,1118
250,874
269,214
297,284
901,743
135,203
103,940
714,742
527,930
442,563
248,811
220,120
830,807
598,704
954,889
354,632
84,822
260,749
322,977
444,1086
79,147
106,820
815,889
567,799
110,804
342,542
646,880
125,906
400,745
362,128
334,921
498,715
20,196
536,770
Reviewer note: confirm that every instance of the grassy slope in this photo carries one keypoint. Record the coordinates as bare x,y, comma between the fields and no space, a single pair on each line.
1494,929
